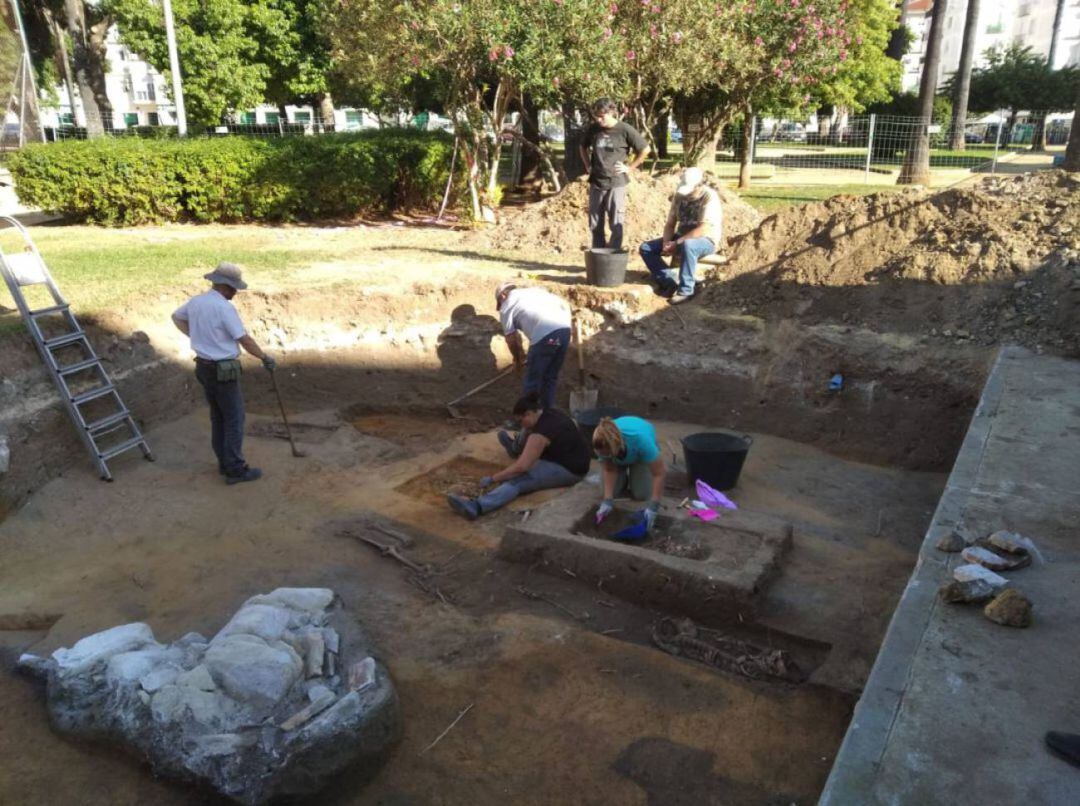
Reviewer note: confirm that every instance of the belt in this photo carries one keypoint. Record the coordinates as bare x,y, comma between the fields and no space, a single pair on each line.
201,360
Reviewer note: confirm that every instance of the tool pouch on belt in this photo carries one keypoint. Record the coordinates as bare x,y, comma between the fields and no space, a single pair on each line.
229,370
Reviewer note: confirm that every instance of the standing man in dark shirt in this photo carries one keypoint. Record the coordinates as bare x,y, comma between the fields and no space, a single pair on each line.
606,148
554,455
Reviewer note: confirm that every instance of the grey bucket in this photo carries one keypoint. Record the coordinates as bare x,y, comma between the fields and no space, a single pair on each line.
606,267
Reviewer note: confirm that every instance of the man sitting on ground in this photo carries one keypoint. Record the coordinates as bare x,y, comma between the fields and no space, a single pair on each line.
693,230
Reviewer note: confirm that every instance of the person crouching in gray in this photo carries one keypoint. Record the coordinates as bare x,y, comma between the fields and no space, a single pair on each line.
217,334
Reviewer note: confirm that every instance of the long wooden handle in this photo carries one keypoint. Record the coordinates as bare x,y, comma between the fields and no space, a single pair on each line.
580,354
482,386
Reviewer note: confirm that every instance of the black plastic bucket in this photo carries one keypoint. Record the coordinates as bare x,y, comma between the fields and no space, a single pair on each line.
715,457
606,267
590,418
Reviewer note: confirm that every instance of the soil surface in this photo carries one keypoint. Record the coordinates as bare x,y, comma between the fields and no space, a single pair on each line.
570,701
559,223
995,263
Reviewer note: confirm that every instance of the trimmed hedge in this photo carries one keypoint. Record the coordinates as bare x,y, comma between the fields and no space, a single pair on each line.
129,181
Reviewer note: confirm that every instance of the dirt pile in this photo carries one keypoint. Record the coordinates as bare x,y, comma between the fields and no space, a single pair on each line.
996,263
559,224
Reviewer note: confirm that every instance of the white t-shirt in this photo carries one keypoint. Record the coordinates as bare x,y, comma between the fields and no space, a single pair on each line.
213,325
535,312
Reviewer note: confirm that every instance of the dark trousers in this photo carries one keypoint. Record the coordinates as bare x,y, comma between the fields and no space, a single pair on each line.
226,417
542,365
607,206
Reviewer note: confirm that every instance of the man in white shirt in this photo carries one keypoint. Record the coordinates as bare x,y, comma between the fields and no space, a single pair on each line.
545,320
217,334
693,230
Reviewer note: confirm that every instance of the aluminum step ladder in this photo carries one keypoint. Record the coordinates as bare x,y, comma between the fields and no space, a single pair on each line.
92,400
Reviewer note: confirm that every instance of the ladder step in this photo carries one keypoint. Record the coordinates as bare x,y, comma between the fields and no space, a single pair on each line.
66,339
53,309
106,422
79,366
116,450
93,394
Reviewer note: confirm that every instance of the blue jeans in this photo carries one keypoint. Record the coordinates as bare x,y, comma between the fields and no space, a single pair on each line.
688,255
542,365
226,418
542,476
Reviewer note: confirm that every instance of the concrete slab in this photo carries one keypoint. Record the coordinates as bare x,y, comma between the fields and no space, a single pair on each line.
712,571
956,706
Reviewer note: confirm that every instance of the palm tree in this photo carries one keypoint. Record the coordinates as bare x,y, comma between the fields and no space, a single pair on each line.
962,83
916,167
1038,136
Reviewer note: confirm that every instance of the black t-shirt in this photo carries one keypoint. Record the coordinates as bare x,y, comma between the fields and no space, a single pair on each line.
566,445
608,147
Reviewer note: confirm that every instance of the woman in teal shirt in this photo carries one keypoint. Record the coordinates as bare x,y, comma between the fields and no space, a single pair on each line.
630,455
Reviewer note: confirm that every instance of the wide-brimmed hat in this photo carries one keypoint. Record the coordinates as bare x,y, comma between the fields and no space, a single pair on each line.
690,180
227,274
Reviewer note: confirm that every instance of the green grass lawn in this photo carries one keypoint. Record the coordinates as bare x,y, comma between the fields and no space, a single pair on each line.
102,268
770,198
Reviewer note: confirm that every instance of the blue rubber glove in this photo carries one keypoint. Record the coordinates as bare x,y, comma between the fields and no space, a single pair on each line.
648,515
486,481
269,363
605,508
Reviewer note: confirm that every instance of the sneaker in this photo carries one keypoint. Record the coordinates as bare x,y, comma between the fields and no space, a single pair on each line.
509,442
1066,745
679,299
249,474
465,507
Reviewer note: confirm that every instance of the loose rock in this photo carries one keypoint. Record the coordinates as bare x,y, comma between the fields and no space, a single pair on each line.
1011,608
951,542
968,573
986,558
194,709
974,590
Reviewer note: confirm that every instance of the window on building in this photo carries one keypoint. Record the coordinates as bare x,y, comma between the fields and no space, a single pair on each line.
353,119
131,118
247,118
273,117
67,119
303,117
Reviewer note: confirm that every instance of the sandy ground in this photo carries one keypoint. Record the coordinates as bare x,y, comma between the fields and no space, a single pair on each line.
563,709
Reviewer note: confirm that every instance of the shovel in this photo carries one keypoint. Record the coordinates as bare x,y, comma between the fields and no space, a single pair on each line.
295,452
457,414
581,399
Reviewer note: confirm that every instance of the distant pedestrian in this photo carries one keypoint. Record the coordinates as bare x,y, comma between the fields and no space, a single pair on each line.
217,334
545,320
693,230
607,149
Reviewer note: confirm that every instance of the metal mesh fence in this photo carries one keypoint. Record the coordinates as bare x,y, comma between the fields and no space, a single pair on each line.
871,148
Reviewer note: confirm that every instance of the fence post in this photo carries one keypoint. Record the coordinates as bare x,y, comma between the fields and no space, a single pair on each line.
869,149
997,142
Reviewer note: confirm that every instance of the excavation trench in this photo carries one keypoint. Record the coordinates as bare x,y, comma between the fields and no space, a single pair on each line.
569,664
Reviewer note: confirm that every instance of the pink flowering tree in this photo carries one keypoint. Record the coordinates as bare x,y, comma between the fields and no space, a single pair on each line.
480,58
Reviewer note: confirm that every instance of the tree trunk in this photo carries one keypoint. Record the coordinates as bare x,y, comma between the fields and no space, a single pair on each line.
97,67
325,103
660,135
700,140
61,56
962,85
76,25
916,167
531,168
1038,136
1072,150
573,134
746,158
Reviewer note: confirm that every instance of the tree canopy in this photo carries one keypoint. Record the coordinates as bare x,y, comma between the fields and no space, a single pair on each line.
1015,77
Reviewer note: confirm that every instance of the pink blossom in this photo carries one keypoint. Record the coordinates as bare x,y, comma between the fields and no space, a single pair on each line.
676,37
613,8
794,3
652,31
630,55
493,54
607,33
655,9
791,47
759,41
778,72
508,52
858,40
843,55
558,2
555,81
415,61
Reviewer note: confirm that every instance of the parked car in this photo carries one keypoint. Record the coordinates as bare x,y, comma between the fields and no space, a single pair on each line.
973,137
675,135
791,132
